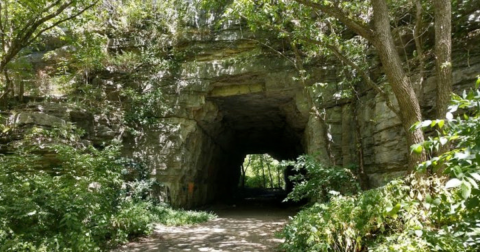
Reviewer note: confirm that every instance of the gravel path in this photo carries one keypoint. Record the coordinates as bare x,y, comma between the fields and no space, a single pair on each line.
245,228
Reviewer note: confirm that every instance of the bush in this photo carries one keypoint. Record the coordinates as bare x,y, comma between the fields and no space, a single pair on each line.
64,206
417,213
460,214
320,182
378,220
76,200
171,217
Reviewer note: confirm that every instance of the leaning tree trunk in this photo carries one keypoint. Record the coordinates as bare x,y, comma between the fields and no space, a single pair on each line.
443,51
407,100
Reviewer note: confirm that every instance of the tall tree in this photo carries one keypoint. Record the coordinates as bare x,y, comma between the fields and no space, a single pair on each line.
382,40
267,160
443,54
399,81
443,62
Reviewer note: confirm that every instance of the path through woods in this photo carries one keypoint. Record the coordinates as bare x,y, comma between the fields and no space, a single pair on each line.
250,227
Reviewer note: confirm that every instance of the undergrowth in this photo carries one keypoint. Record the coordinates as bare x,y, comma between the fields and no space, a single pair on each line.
57,194
416,213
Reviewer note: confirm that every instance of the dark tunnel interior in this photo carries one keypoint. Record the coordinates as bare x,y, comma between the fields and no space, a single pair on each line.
252,124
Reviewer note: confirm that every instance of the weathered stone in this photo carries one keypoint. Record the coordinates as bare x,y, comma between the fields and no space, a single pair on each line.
35,118
380,179
230,97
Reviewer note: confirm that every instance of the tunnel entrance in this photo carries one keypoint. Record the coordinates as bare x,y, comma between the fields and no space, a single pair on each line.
262,178
248,118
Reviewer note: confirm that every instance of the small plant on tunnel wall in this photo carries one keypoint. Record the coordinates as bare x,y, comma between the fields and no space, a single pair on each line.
319,182
144,108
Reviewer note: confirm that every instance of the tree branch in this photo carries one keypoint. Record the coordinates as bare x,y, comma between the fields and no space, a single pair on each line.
336,12
27,34
2,30
273,49
417,33
362,73
34,22
61,21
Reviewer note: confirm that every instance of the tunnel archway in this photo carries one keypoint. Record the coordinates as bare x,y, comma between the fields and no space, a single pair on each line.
249,120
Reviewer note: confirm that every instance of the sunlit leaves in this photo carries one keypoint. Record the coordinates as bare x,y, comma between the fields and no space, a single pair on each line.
417,148
453,183
315,180
309,30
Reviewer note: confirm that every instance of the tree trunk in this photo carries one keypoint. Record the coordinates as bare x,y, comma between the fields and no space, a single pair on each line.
244,169
364,184
443,49
263,172
410,109
279,178
269,173
21,90
443,63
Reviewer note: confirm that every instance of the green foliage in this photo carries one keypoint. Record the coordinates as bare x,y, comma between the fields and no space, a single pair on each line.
77,199
320,181
397,217
310,35
461,163
262,171
67,206
22,24
417,213
144,108
171,217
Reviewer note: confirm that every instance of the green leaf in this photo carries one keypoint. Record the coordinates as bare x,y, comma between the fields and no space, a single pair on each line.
426,123
443,140
441,123
418,233
472,182
452,183
391,211
466,190
428,198
475,176
417,148
449,116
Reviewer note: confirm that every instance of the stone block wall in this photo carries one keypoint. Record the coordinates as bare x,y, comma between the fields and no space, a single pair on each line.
231,97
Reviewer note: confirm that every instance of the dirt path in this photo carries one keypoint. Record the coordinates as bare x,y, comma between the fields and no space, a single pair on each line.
244,228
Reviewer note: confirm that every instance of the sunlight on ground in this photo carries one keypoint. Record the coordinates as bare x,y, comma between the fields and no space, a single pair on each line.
238,232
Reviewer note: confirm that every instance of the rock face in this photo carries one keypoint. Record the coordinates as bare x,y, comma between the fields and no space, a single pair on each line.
232,100
231,97
234,97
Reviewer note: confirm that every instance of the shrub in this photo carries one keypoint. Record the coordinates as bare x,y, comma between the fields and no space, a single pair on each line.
171,217
417,213
57,207
318,182
75,201
378,219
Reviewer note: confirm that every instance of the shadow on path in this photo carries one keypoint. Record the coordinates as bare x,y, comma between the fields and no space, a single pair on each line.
245,228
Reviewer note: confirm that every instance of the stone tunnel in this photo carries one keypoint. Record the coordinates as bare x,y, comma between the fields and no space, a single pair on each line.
248,102
231,97
197,152
227,95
